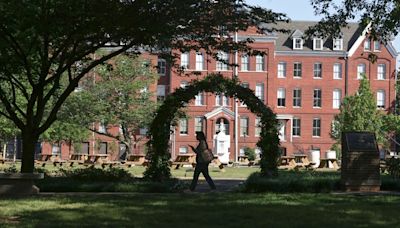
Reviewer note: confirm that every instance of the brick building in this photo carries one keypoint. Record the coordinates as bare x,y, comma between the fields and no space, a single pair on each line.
302,80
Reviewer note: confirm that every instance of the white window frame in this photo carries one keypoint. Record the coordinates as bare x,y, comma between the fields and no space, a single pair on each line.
161,92
296,127
380,99
316,127
221,66
297,69
185,60
282,70
198,123
260,63
315,44
317,70
317,98
296,99
281,96
336,98
221,100
162,67
259,92
367,44
245,63
361,69
337,44
199,61
381,71
337,71
257,127
377,45
199,99
183,126
297,45
244,126
183,150
183,84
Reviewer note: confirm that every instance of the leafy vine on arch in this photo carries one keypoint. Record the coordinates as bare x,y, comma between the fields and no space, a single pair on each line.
159,132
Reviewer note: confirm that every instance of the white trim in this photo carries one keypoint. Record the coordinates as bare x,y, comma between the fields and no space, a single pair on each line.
359,41
219,110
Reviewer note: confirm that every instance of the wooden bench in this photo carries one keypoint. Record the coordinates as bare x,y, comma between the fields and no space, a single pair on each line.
49,159
136,159
287,162
330,163
302,161
184,159
77,158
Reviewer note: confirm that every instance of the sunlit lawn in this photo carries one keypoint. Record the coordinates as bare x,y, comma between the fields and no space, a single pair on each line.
202,210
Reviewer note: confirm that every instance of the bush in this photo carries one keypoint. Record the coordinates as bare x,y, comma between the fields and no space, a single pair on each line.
250,153
97,174
293,181
393,165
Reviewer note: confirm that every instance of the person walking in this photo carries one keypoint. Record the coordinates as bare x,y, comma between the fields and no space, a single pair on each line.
201,164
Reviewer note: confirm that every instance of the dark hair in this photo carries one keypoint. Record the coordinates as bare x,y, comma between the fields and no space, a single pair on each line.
201,137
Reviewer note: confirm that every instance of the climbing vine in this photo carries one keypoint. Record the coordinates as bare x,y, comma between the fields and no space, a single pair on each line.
160,129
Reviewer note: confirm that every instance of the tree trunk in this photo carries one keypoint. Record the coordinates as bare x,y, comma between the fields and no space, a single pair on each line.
28,152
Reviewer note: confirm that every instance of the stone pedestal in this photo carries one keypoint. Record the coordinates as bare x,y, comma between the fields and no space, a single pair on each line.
19,183
360,162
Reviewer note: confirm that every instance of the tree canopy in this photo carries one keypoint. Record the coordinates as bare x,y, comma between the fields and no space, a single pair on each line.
384,16
46,42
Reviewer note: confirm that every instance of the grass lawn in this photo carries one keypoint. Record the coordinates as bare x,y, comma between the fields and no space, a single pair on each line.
201,210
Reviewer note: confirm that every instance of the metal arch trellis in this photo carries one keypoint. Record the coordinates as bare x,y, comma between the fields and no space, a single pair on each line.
159,132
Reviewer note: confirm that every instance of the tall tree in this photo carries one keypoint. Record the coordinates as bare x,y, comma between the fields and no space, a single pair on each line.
43,42
118,97
384,16
359,113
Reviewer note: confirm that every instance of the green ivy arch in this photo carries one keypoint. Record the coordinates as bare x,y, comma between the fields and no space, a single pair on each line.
159,132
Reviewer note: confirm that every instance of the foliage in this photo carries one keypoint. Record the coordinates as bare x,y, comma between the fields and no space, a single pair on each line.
383,16
159,133
359,113
96,174
47,43
393,165
10,169
250,153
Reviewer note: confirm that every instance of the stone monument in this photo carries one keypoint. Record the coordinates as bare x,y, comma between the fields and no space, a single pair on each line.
222,143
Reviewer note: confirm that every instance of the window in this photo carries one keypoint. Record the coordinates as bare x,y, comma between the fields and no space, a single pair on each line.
102,128
260,91
160,92
377,45
199,61
337,71
221,100
245,63
297,70
281,97
103,148
367,45
56,149
183,150
361,70
380,99
162,67
381,71
185,60
260,63
297,43
318,44
184,84
297,97
337,44
281,70
198,123
244,85
241,151
199,99
337,94
122,149
143,131
244,126
317,98
257,127
317,70
316,127
296,127
183,126
84,148
222,63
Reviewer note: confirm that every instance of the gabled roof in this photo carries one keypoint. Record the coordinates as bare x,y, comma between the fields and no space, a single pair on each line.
297,34
219,110
284,41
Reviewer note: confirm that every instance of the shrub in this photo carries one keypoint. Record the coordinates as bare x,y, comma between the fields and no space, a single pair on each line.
250,153
97,174
11,169
393,165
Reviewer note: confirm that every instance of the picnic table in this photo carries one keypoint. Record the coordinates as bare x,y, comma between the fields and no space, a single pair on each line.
77,158
243,159
330,163
184,159
54,159
136,159
287,162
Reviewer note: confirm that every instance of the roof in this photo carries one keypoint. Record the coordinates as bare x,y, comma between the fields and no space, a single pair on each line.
284,41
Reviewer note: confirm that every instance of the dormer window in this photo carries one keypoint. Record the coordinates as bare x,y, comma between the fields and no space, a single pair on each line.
318,44
367,45
297,43
338,44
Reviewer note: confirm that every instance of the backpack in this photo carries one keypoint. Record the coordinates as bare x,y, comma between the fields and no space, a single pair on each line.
207,156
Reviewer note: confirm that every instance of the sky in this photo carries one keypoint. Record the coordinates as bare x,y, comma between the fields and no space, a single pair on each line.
300,10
